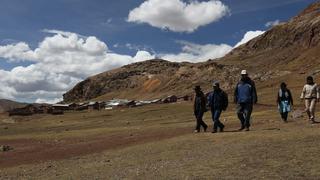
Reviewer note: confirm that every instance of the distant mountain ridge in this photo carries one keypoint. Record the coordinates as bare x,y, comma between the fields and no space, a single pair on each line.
6,105
287,52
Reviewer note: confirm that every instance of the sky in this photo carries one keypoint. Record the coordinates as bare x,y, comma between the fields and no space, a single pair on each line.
48,46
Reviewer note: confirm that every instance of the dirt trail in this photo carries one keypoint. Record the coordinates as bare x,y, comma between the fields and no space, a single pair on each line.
29,151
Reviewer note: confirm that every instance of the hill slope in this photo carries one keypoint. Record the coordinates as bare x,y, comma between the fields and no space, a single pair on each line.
6,105
287,52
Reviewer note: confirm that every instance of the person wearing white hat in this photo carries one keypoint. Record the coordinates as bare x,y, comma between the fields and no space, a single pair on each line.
244,72
245,95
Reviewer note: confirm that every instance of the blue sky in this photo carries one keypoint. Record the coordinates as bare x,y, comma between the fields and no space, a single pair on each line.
107,21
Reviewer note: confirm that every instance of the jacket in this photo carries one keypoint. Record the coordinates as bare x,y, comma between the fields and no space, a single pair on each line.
218,100
199,104
245,92
310,91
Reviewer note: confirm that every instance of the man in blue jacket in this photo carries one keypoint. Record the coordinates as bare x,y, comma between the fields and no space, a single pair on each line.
218,102
245,95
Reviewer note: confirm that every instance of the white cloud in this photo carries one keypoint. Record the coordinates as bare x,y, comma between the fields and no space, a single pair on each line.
64,59
197,53
249,36
59,62
272,23
17,52
49,101
177,15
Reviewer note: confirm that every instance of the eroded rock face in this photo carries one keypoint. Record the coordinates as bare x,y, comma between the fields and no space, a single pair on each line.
153,76
283,52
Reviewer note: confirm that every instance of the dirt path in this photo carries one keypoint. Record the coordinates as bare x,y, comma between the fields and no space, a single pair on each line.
29,151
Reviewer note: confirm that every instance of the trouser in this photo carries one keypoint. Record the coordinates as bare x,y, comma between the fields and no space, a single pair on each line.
216,119
311,107
200,122
244,111
284,116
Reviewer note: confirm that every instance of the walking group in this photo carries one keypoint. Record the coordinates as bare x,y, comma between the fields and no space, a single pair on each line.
245,96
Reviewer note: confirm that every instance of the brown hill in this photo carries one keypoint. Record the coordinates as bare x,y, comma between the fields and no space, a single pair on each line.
6,105
287,52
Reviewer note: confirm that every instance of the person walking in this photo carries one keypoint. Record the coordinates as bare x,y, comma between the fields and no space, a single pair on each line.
310,93
245,95
217,102
284,101
199,109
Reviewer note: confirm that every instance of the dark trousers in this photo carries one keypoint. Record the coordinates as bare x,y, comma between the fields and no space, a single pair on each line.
244,111
200,122
284,116
216,119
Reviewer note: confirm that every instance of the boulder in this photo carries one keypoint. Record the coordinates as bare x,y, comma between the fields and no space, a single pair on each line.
5,148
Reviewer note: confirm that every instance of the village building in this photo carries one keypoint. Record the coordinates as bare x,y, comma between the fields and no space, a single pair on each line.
62,107
170,99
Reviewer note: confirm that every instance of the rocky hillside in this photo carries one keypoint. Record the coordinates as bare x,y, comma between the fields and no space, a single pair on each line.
150,79
287,52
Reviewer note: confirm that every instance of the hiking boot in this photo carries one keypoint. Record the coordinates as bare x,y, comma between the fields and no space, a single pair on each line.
242,128
222,128
205,128
214,131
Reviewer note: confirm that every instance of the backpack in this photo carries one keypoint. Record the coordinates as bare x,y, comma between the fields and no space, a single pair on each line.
225,101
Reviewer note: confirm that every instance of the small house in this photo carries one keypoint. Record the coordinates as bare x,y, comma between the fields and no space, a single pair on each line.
170,99
62,107
93,106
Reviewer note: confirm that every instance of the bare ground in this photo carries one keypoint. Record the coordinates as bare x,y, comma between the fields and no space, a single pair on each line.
146,143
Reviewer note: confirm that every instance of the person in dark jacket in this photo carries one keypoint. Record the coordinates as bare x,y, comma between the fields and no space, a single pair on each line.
245,95
199,109
218,102
284,101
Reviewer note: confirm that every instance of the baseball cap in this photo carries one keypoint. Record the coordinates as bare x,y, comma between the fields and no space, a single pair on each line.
244,72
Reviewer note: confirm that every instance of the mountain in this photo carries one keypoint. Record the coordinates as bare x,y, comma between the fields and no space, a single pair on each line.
6,105
287,52
147,80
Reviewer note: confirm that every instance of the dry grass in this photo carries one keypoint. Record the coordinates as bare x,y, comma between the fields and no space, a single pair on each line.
272,150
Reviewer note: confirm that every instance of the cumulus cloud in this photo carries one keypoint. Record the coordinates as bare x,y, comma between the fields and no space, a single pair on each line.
58,63
17,52
272,23
192,52
63,59
249,36
178,16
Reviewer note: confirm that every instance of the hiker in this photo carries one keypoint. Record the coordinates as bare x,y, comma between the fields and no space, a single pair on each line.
310,94
218,102
284,101
245,95
199,109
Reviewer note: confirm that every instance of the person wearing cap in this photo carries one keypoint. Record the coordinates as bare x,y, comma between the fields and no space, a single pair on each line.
218,102
311,95
284,101
199,109
245,95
